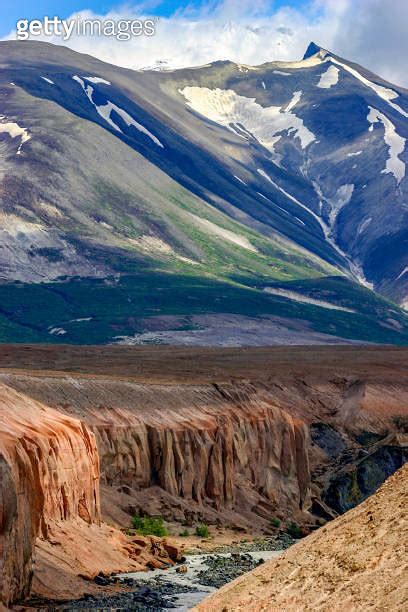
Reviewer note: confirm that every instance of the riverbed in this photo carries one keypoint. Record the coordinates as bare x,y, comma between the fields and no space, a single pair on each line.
178,588
196,577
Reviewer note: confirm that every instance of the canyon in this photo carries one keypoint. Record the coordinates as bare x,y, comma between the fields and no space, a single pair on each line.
90,436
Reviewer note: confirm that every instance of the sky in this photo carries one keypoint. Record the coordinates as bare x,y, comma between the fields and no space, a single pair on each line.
194,32
12,10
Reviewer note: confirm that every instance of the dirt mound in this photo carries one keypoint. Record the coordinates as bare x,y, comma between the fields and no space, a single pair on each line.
357,562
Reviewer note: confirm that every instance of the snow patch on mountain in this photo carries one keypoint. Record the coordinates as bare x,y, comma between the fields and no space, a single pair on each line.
14,131
97,80
309,62
295,99
354,154
329,78
395,143
330,237
281,73
405,270
105,110
343,196
385,93
246,68
293,199
363,226
128,119
57,331
239,113
266,176
274,203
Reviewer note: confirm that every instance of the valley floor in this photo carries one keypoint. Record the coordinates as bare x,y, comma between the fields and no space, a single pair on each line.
191,365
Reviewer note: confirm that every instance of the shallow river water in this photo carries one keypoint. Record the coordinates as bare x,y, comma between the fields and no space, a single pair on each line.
195,564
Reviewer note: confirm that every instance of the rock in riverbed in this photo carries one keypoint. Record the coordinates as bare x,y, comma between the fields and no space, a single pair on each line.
223,569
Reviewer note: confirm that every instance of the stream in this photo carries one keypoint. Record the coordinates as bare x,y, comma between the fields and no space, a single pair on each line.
179,588
200,567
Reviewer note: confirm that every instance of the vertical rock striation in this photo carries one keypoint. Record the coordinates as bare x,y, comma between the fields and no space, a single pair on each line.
263,450
227,447
49,472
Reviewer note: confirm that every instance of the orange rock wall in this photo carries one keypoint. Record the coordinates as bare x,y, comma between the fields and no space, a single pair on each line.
209,443
49,472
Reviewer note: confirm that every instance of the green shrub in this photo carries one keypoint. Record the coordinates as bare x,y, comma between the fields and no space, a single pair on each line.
202,531
401,423
293,530
275,522
149,525
184,534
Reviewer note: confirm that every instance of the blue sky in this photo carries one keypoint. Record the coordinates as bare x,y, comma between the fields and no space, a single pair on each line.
12,10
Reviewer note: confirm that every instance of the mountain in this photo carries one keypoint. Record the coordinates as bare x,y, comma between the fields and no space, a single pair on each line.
215,205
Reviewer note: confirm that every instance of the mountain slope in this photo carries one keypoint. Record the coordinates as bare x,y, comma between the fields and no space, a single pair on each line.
226,176
356,562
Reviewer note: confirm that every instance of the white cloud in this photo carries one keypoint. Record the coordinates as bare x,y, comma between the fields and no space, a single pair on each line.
369,32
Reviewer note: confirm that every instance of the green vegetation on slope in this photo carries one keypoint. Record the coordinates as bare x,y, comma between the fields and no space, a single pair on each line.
149,525
90,311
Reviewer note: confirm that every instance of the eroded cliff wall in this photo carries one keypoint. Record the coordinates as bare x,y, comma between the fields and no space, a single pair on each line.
49,470
50,517
226,447
234,451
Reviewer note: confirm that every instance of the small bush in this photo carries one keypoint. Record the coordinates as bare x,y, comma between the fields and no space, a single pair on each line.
202,531
293,530
275,522
149,525
401,423
184,534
